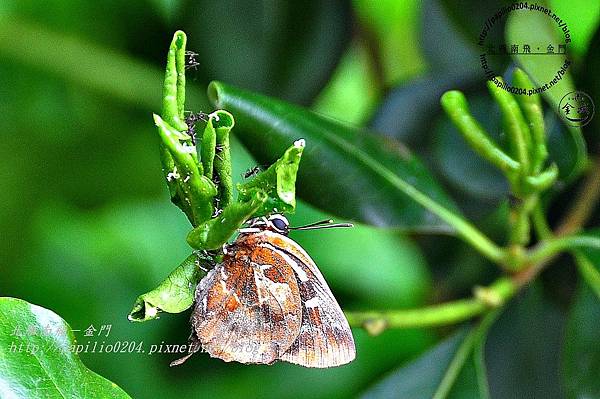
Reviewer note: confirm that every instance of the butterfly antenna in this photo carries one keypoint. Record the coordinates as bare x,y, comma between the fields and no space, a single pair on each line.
322,224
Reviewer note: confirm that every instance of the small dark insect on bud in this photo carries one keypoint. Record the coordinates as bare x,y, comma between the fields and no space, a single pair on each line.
251,172
192,118
514,201
216,179
191,62
190,121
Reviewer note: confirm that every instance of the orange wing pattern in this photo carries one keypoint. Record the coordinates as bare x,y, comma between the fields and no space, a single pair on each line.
267,301
248,307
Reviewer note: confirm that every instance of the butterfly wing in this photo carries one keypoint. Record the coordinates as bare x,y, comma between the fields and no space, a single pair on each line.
248,307
325,338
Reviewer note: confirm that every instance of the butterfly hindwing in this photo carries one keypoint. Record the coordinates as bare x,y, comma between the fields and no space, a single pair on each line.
325,338
248,308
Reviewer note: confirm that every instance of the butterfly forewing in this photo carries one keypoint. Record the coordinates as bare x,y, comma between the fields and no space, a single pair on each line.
248,308
325,338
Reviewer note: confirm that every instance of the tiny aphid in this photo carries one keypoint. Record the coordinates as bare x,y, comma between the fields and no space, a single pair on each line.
190,121
191,62
251,172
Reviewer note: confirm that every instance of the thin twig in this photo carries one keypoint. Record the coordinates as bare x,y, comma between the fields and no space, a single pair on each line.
443,314
584,204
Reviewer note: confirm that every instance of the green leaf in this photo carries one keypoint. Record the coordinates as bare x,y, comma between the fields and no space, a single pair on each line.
381,24
591,85
522,357
278,181
190,189
442,29
421,377
346,171
352,92
538,29
75,60
583,17
422,97
581,356
173,295
441,373
449,370
37,357
212,234
284,48
472,382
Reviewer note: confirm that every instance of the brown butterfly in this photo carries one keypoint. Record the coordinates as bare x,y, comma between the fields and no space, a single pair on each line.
268,301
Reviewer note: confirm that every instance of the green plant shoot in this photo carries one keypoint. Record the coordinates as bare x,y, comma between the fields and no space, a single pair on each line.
200,184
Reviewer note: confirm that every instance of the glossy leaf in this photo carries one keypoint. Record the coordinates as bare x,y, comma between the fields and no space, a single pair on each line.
37,357
537,29
286,49
591,85
449,370
581,360
340,163
278,182
212,234
519,361
470,17
442,29
173,295
408,111
419,378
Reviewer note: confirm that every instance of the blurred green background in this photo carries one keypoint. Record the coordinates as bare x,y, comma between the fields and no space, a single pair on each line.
85,215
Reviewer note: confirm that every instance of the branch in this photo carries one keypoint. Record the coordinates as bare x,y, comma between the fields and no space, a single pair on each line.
588,271
485,298
585,202
553,246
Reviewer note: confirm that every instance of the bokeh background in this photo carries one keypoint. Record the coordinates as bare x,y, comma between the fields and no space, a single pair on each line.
85,217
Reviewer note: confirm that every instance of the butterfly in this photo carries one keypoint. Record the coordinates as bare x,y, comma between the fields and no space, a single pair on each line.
267,301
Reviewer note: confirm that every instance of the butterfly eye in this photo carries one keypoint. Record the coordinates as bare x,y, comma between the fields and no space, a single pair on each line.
279,224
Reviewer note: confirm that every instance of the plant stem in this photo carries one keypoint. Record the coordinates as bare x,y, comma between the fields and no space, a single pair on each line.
550,247
532,108
519,233
516,127
456,107
585,202
588,271
534,263
434,315
540,223
466,230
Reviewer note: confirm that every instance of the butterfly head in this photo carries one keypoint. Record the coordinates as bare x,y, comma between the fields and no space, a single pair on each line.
275,222
279,224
